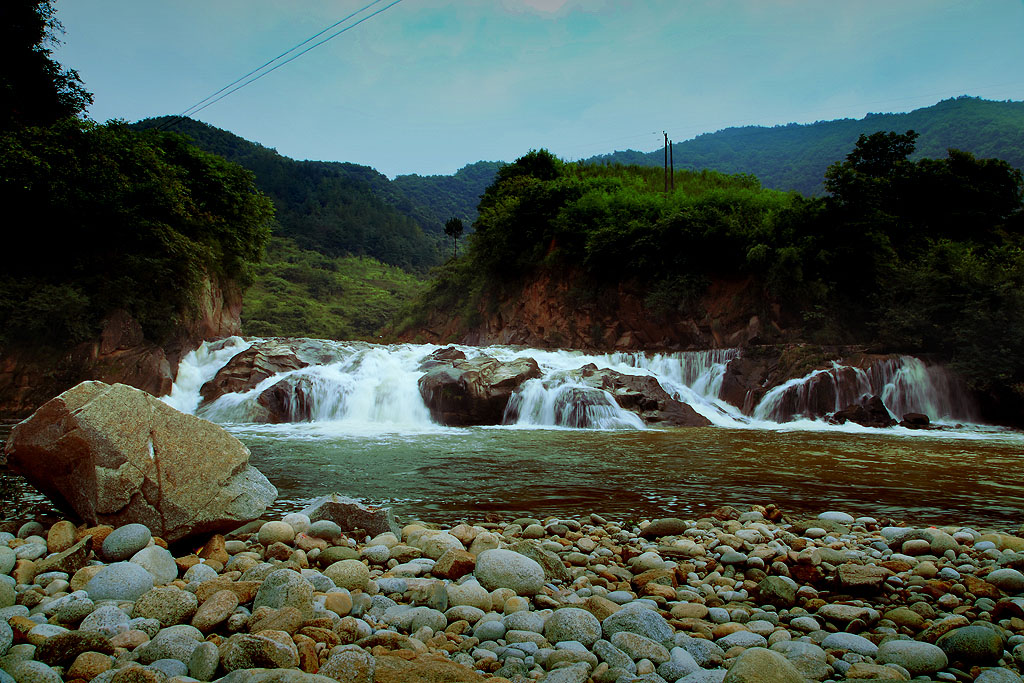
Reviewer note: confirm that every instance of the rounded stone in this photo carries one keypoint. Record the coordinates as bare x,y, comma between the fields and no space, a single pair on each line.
203,662
200,572
491,629
972,645
325,529
106,619
572,623
916,657
34,672
298,522
850,642
275,532
6,637
639,620
350,574
168,604
507,569
7,594
174,642
125,541
159,562
834,516
7,559
1008,580
120,581
285,588
215,610
758,665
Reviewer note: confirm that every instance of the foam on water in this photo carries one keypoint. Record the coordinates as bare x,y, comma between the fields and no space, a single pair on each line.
363,389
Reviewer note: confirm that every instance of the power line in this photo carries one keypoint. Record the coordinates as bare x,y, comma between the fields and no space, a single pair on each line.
289,50
194,109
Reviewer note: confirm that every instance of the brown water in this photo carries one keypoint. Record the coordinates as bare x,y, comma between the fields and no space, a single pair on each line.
448,474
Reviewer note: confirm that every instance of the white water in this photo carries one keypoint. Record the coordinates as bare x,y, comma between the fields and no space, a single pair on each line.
198,367
357,388
904,383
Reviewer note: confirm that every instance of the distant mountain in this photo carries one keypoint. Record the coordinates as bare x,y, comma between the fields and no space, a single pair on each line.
795,156
440,197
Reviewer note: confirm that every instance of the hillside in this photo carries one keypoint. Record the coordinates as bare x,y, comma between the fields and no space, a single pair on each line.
337,209
913,256
795,156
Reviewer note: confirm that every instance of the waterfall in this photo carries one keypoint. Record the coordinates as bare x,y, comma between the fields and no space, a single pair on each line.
369,385
563,403
197,368
359,388
904,383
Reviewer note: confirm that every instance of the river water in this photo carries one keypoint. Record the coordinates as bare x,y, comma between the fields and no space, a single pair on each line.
371,438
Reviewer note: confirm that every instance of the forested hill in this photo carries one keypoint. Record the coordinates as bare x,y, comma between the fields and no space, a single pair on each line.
341,209
795,156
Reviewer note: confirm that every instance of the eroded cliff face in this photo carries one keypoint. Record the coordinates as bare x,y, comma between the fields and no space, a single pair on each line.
120,354
548,312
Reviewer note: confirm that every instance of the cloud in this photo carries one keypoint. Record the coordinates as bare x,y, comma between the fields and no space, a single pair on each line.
553,8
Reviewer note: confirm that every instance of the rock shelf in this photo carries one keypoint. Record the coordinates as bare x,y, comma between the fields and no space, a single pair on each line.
734,597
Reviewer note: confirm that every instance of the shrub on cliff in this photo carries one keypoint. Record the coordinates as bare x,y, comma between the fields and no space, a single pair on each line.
100,217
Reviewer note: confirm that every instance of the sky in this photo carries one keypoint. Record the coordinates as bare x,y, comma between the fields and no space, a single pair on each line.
428,86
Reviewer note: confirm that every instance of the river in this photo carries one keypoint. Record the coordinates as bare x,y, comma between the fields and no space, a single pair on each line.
371,438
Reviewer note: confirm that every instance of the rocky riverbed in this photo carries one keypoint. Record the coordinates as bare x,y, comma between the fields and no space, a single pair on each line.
737,596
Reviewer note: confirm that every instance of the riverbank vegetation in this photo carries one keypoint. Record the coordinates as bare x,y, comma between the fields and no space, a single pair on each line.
917,256
302,293
101,217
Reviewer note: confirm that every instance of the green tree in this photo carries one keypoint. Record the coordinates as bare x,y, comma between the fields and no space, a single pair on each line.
453,228
35,90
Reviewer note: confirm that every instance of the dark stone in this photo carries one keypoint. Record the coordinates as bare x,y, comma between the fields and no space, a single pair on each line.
462,393
643,395
442,357
350,514
867,413
287,401
667,526
250,367
61,649
915,421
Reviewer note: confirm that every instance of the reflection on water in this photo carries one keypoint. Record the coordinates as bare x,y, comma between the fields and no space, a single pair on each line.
449,474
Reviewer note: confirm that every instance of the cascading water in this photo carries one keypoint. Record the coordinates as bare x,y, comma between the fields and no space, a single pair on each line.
198,367
904,383
369,385
561,402
363,388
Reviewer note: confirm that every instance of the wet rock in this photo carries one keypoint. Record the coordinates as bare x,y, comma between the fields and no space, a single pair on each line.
350,514
463,393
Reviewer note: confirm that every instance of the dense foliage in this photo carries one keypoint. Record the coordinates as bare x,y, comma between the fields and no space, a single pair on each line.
99,218
437,198
103,217
34,89
337,209
795,156
921,256
301,293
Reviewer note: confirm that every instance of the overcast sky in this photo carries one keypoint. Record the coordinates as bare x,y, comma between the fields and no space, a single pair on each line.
428,86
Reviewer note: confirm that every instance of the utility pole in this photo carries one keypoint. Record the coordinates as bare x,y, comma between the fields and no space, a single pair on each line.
671,166
666,160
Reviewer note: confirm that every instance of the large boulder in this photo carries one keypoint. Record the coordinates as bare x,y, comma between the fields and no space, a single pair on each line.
250,367
462,393
869,412
115,455
643,395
